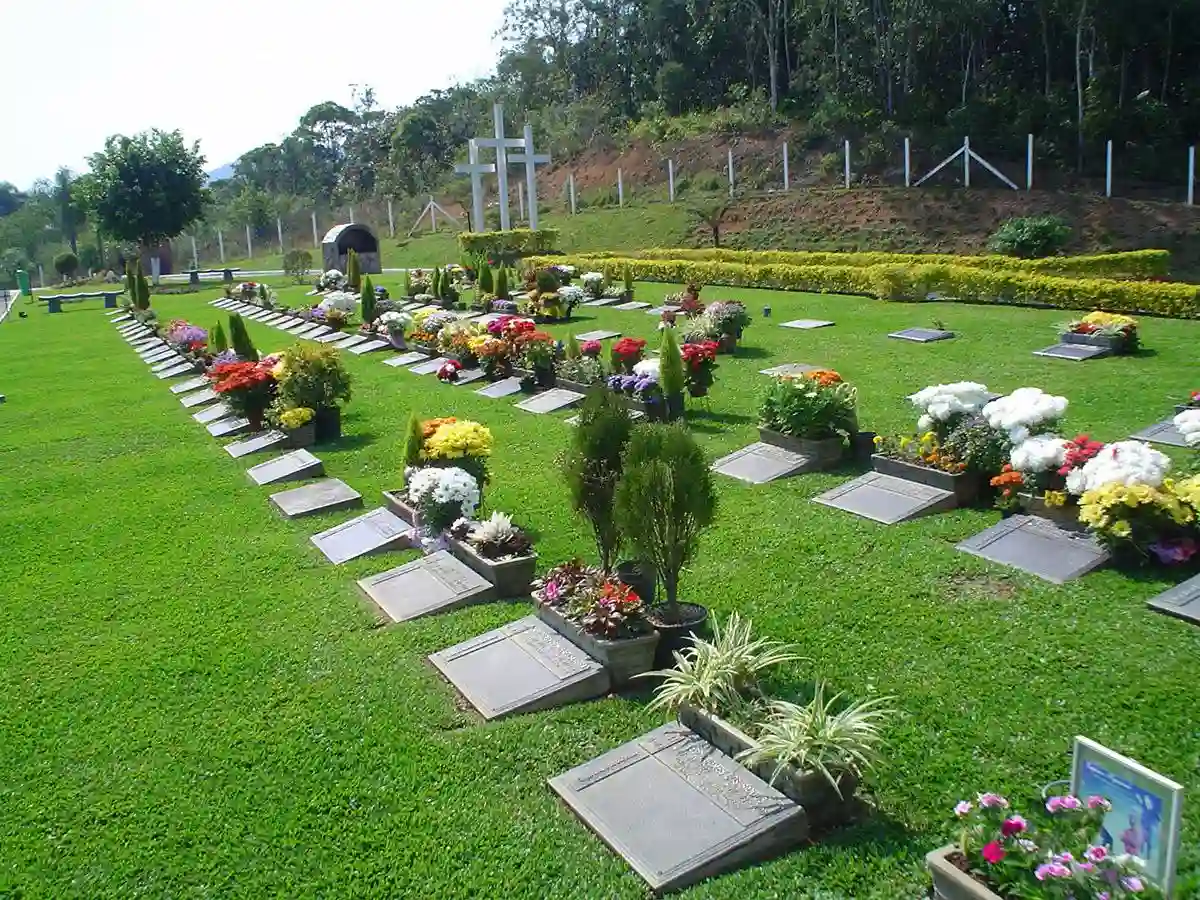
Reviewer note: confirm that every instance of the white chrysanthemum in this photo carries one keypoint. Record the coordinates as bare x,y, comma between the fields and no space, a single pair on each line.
1040,453
1188,423
647,368
445,486
1024,412
941,402
592,277
1125,462
343,300
570,293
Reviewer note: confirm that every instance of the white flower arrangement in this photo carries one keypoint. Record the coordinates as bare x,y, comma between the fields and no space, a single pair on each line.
395,322
592,278
331,280
423,298
1025,411
570,293
647,368
942,402
1188,423
1125,462
341,300
444,486
1038,454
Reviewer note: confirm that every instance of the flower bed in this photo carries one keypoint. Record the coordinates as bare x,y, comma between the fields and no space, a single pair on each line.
814,413
498,550
1100,329
826,451
964,485
625,658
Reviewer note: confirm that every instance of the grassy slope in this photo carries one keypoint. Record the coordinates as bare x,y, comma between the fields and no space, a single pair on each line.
198,705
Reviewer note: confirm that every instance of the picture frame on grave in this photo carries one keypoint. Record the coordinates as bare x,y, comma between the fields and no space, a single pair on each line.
1147,808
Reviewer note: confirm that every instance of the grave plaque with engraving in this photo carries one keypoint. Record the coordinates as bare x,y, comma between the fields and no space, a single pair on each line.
1181,601
435,584
229,426
505,387
1074,352
191,384
807,324
1039,547
599,335
268,440
760,463
632,306
294,466
406,359
378,531
180,368
1163,432
788,369
327,495
429,367
199,398
887,499
213,413
922,335
549,401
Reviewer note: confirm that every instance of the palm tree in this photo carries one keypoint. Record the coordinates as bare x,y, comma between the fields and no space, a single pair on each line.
70,216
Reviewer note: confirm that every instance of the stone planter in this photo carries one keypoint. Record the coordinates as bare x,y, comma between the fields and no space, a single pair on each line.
824,804
1066,516
510,577
952,883
1184,407
397,502
397,341
727,343
667,411
1114,342
577,386
623,658
964,485
826,451
304,436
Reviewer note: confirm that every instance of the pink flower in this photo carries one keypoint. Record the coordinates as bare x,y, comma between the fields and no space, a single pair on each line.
1103,895
1096,854
552,591
1059,804
1133,884
1085,867
992,801
1051,870
963,808
992,852
1064,857
1013,825
1097,802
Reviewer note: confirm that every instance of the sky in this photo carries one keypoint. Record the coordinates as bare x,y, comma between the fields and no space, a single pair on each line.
232,74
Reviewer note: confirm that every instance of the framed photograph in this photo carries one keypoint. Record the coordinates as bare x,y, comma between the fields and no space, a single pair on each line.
1146,807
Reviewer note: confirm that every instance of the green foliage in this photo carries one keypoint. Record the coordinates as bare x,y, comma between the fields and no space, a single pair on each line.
313,376
353,271
665,499
368,300
712,216
66,263
239,340
263,294
435,282
983,448
486,284
13,259
572,349
804,408
627,278
217,341
592,468
674,84
505,247
414,439
297,264
406,284
502,284
546,280
1031,237
670,366
148,188
141,287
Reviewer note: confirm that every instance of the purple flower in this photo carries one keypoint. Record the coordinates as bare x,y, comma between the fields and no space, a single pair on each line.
1096,854
628,382
644,384
1103,895
614,382
1051,870
1133,884
963,808
1174,551
225,356
992,801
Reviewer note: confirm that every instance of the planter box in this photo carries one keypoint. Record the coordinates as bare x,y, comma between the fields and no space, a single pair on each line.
1115,343
624,659
952,883
1066,516
811,790
397,502
826,451
304,436
510,577
577,386
964,485
656,412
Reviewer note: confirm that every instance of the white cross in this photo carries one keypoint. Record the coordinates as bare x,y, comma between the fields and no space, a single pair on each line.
476,170
531,160
501,144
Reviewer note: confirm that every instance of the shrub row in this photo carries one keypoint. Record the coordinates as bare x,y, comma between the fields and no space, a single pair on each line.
508,245
913,283
1132,264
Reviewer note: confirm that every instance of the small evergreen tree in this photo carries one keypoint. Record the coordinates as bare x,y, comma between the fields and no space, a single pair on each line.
573,351
414,440
240,339
368,300
448,291
502,284
670,366
592,468
628,282
262,292
435,282
217,341
486,284
353,272
406,284
141,288
130,283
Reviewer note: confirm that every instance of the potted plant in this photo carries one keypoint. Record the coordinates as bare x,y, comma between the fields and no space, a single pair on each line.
626,353
440,443
1111,331
498,550
495,358
814,414
700,363
396,323
600,614
535,350
441,496
248,387
1035,480
300,426
314,376
729,319
665,499
1046,851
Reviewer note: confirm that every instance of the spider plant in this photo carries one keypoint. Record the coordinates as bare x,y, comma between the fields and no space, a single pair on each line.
720,675
815,738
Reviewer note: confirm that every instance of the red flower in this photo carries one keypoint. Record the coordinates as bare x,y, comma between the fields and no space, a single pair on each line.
627,347
449,370
590,348
1012,825
993,852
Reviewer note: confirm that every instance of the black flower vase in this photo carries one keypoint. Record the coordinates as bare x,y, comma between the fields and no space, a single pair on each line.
329,423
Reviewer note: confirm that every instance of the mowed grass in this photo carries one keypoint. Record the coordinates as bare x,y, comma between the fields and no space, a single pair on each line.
196,704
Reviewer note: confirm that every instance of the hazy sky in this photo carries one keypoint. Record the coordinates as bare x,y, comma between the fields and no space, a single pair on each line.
232,74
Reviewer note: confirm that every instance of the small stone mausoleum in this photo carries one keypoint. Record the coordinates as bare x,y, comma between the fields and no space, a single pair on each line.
342,239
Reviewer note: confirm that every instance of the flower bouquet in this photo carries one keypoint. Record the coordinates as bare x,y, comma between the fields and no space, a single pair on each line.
593,284
248,388
815,413
449,442
1115,332
495,358
448,373
1188,424
729,319
299,425
942,406
536,351
395,323
700,363
627,353
314,376
442,496
498,550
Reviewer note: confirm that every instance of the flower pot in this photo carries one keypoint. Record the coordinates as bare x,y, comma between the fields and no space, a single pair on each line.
824,451
824,804
397,341
1115,342
698,390
304,436
397,502
578,386
624,658
673,408
328,422
862,446
952,883
641,577
510,577
1065,516
255,418
676,633
964,485
727,343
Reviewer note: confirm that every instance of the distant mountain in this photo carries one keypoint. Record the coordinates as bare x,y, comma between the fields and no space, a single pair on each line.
222,173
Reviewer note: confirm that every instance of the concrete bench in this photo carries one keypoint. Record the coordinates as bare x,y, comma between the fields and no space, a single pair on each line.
54,302
226,274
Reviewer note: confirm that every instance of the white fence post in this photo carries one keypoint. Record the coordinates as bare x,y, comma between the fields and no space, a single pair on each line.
1029,163
671,180
279,232
1191,191
786,179
316,240
432,214
908,162
352,215
730,172
520,200
1108,173
41,276
392,221
221,245
571,190
195,255
249,245
966,162
847,165
620,189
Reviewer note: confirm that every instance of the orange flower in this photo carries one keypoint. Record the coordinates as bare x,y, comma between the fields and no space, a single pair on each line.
1008,476
824,377
429,426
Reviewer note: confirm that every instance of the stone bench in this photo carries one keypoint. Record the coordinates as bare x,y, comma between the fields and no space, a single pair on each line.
54,302
195,274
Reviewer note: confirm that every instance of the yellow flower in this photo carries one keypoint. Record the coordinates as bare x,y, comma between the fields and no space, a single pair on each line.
297,417
878,441
1055,498
454,440
1121,528
904,442
280,369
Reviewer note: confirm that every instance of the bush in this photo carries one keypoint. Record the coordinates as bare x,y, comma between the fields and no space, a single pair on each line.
1032,237
368,300
502,284
670,366
297,264
353,272
66,264
592,468
240,341
313,376
505,247
217,342
486,284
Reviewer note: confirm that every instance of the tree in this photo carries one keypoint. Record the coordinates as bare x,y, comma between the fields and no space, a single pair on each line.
239,339
368,300
712,215
66,264
70,214
11,260
353,272
10,198
141,288
147,189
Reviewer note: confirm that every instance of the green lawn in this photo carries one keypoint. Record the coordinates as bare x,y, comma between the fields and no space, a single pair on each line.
196,704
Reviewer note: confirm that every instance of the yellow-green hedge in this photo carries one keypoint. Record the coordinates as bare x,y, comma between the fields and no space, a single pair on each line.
1132,264
914,283
507,244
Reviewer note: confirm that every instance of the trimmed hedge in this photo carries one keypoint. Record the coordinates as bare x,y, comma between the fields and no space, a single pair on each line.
508,245
914,283
1132,264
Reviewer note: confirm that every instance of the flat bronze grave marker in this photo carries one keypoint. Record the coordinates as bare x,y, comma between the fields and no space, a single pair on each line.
374,532
887,499
326,495
294,466
268,440
435,584
1039,547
